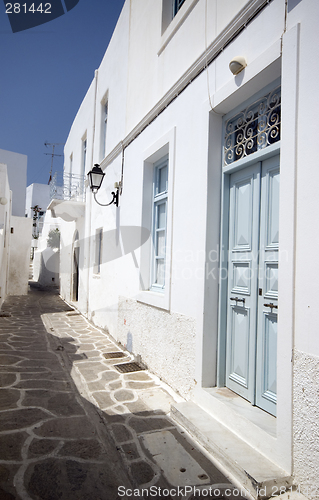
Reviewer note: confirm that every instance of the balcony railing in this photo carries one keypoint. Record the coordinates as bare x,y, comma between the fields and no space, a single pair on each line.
65,186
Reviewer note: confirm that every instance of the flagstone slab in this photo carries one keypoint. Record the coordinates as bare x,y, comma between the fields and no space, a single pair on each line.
137,407
8,359
44,384
7,473
140,385
130,450
71,480
103,399
60,404
115,385
123,395
7,379
21,418
121,433
71,428
9,399
84,448
60,376
142,376
41,447
141,425
142,472
11,444
22,369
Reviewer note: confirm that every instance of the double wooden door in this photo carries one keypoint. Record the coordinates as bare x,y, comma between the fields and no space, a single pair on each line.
252,298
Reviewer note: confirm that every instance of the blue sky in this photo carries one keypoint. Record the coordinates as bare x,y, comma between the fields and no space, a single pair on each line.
44,75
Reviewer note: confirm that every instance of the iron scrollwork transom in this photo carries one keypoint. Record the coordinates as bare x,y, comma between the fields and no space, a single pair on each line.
254,128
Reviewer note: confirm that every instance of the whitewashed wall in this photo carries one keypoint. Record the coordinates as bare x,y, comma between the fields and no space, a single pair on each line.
46,260
37,194
5,218
17,175
19,259
303,18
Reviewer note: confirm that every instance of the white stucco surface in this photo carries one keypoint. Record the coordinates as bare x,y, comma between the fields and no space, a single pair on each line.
306,423
165,341
5,217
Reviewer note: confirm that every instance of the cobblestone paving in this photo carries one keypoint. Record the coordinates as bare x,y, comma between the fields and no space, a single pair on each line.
71,426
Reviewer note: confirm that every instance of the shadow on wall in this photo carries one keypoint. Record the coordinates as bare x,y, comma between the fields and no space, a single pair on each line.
292,4
46,267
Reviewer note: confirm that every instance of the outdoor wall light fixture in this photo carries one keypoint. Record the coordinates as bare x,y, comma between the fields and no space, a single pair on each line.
3,201
96,176
237,64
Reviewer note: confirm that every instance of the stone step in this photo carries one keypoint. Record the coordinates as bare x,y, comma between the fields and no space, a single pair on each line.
260,477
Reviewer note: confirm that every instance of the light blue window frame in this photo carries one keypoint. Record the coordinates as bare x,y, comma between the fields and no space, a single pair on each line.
159,225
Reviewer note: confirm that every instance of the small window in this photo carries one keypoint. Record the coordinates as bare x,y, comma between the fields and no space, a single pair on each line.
177,5
70,175
98,250
105,106
169,10
159,229
84,151
71,163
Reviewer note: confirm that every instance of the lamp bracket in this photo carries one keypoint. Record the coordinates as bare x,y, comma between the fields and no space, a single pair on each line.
114,200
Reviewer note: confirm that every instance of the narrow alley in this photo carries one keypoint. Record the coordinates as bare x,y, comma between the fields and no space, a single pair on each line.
72,427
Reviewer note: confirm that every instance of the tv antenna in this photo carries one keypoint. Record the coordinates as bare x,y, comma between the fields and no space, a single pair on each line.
52,154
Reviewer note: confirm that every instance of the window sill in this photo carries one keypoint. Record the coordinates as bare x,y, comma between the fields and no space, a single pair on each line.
155,299
176,23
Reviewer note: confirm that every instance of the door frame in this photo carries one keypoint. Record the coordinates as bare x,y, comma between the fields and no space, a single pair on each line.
75,256
256,157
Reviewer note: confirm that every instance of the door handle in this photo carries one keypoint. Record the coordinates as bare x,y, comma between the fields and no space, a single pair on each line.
238,299
271,305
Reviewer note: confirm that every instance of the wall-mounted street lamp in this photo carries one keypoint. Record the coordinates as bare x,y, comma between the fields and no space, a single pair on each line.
96,176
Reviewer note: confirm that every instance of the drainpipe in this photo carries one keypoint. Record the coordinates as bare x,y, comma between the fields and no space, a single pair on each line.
96,74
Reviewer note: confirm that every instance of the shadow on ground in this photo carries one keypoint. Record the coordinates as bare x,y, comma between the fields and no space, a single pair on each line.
72,427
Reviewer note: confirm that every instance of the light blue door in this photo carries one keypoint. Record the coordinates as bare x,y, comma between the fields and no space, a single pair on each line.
252,297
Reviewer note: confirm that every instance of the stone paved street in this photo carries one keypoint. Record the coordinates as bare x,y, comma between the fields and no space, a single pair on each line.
71,426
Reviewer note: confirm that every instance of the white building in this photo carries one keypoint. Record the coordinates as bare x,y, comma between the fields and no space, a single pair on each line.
5,220
187,272
15,243
37,195
17,175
